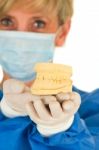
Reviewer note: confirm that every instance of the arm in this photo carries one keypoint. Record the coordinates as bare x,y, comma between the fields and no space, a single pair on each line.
1,114
76,137
14,98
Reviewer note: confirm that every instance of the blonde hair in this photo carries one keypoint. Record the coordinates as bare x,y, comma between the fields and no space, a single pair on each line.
63,8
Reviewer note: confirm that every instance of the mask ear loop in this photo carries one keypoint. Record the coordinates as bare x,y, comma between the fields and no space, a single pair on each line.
1,74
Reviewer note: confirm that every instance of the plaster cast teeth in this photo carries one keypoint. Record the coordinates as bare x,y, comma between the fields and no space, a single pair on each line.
52,79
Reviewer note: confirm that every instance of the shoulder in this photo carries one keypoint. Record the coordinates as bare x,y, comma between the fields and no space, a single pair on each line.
90,104
84,94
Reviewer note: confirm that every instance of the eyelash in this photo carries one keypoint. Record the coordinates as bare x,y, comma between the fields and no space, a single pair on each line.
5,19
9,23
39,22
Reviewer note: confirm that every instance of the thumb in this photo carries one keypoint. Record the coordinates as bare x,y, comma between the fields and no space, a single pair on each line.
68,106
13,86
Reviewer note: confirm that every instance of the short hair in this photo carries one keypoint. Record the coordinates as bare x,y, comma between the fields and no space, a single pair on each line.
63,8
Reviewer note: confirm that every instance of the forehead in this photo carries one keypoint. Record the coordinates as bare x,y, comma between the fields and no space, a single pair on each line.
34,5
45,7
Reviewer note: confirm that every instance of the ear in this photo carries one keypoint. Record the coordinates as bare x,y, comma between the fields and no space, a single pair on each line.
63,32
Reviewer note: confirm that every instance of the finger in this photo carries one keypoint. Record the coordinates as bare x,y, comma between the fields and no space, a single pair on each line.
68,106
26,89
35,98
76,99
32,113
63,96
42,111
30,109
47,99
13,86
18,101
55,109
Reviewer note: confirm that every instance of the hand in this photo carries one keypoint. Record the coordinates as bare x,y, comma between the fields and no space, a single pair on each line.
16,95
58,110
70,102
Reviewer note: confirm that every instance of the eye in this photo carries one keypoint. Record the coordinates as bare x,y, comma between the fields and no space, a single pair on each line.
39,24
6,22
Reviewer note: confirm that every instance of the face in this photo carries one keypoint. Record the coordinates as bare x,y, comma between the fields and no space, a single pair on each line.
20,20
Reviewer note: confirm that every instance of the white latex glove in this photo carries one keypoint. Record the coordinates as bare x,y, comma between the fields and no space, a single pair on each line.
16,95
58,113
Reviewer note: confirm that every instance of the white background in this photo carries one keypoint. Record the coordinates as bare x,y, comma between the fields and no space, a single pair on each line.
81,49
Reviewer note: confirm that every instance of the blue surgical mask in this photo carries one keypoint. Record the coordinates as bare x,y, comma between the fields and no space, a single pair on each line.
20,51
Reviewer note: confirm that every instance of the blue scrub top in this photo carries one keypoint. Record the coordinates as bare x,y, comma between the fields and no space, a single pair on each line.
20,133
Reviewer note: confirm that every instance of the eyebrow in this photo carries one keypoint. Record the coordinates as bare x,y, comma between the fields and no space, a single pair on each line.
34,15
